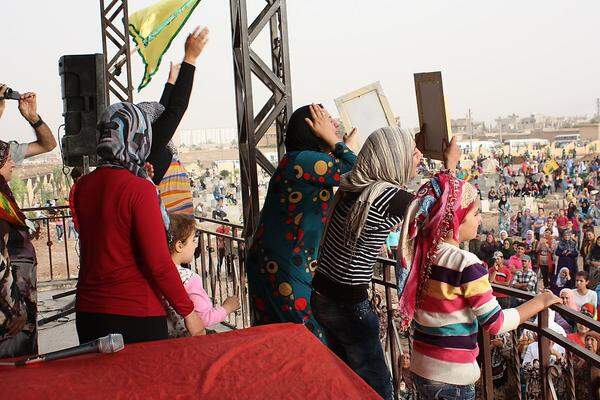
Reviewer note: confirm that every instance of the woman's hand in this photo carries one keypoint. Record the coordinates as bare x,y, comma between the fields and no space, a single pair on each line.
351,140
173,72
194,324
194,45
322,126
451,154
3,88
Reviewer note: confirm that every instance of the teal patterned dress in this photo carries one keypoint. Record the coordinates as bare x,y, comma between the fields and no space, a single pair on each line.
283,256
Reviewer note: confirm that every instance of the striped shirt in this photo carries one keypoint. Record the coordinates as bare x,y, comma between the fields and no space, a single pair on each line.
458,299
339,263
175,190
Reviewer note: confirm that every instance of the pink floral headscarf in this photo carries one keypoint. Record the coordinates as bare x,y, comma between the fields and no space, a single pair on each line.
437,211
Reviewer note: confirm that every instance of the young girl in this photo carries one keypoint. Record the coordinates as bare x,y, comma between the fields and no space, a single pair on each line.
182,243
446,290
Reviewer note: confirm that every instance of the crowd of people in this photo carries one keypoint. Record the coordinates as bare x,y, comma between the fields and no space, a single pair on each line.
311,260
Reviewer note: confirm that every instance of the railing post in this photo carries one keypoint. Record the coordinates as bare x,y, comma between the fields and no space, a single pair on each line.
515,365
487,383
389,292
544,353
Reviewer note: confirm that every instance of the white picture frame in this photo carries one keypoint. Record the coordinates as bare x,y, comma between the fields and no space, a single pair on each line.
366,109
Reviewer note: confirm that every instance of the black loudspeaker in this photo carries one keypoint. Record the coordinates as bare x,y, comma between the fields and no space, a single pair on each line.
84,99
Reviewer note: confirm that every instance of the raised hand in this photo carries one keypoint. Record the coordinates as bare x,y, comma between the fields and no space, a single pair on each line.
3,88
173,72
451,154
28,107
351,140
194,45
322,125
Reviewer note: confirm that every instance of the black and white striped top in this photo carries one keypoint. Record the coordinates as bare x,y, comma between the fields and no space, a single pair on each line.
342,266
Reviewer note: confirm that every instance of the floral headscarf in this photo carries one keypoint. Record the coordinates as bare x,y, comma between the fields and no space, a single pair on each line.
437,211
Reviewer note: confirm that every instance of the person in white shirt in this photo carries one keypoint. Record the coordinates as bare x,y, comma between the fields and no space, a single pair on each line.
549,225
581,294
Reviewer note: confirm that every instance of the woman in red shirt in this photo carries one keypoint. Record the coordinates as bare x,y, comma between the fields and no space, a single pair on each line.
126,268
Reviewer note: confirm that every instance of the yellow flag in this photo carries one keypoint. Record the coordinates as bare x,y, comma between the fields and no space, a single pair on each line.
550,166
154,28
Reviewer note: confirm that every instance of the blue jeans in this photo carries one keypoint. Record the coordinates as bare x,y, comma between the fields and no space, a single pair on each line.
353,334
434,390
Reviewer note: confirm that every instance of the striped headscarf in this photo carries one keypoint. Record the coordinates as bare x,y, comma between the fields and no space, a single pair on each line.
385,160
125,138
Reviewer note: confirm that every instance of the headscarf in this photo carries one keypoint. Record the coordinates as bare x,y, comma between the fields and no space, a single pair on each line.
299,136
9,209
125,138
568,293
503,201
154,109
438,210
529,237
567,245
588,310
385,161
560,281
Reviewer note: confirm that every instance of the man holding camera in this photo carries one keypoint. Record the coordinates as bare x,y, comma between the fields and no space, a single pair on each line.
18,297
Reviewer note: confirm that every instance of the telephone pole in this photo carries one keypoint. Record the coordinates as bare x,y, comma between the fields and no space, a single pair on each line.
598,108
470,128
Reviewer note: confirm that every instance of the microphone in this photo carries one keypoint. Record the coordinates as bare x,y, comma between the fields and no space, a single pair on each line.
107,344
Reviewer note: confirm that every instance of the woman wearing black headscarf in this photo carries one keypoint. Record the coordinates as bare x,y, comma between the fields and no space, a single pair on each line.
283,254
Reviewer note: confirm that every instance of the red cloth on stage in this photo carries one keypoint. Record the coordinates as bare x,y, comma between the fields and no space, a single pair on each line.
125,261
279,361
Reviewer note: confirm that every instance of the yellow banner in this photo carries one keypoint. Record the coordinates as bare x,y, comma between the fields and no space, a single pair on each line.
550,166
154,28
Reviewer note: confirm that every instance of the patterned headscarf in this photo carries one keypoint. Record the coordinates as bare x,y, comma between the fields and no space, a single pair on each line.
153,109
437,211
125,138
4,151
385,161
9,209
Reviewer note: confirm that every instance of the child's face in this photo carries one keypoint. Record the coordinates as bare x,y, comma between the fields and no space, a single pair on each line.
468,228
581,282
186,248
526,265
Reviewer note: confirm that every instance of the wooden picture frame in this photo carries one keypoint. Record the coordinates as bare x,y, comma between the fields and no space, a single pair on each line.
432,113
366,109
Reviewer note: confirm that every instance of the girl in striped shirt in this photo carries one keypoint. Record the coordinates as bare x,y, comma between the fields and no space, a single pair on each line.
446,290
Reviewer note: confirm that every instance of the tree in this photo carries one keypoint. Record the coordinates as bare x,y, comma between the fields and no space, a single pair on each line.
224,174
19,189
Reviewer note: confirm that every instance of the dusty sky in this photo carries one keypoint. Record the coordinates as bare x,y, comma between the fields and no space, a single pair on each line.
535,56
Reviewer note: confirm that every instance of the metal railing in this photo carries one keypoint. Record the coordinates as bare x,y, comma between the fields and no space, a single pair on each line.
221,265
385,300
57,260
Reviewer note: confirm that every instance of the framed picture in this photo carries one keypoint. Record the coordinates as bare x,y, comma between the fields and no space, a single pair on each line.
432,113
366,109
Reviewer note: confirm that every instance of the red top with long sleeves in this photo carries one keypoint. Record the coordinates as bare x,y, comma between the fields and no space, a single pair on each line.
126,267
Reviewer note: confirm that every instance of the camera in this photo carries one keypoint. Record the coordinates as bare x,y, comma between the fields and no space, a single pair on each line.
10,94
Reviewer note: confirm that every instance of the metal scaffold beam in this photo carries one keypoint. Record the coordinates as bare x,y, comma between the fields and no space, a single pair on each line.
276,110
114,21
